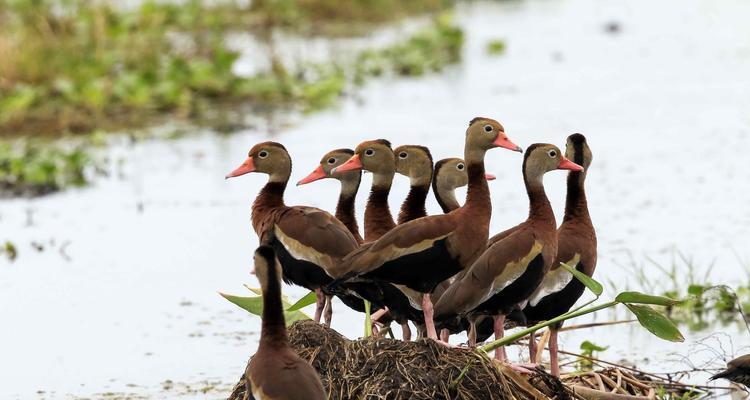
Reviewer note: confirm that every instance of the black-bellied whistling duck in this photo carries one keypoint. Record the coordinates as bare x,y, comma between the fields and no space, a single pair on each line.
576,247
738,370
349,186
449,175
414,162
375,156
512,267
422,253
275,371
308,241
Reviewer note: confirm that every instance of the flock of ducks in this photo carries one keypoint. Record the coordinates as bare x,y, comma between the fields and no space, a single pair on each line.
444,273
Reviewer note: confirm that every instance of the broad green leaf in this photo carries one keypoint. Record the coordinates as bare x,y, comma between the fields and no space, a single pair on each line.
640,298
254,305
589,282
254,290
656,323
309,298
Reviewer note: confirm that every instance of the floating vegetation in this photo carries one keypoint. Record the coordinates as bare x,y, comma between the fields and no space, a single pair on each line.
78,66
495,47
703,301
33,169
8,249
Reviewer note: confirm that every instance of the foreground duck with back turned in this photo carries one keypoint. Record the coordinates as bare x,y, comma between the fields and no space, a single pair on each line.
422,253
308,241
275,371
513,265
576,247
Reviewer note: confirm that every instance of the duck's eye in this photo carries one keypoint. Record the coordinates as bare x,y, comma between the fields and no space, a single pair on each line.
369,152
552,153
331,160
488,128
263,154
402,155
460,167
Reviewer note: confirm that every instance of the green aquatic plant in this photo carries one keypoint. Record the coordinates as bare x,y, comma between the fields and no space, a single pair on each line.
77,66
254,305
495,47
9,250
703,302
35,169
589,350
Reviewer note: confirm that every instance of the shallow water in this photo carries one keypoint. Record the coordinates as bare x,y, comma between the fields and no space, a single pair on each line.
131,299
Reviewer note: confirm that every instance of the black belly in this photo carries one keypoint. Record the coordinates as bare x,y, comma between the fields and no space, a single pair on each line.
507,299
421,271
299,272
555,304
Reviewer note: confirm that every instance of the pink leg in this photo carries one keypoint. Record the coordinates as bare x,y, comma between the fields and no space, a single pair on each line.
378,314
429,323
445,335
532,347
499,333
472,333
319,304
328,311
405,332
554,365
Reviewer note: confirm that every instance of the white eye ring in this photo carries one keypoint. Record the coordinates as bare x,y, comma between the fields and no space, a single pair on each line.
403,154
552,153
263,154
331,161
369,152
460,167
488,128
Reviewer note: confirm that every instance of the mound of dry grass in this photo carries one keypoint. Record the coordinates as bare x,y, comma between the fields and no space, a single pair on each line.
380,368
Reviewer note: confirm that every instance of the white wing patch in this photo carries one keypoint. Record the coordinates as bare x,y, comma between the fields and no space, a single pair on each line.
554,281
302,252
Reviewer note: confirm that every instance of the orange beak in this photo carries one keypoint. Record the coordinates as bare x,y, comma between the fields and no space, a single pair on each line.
490,177
567,164
351,164
314,176
504,142
246,167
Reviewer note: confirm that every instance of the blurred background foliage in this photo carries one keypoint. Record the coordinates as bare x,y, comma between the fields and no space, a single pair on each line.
74,67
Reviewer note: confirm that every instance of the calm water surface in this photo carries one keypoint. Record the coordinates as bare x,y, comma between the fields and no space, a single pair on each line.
132,300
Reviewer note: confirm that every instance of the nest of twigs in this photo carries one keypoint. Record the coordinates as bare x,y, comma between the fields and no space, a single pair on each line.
380,368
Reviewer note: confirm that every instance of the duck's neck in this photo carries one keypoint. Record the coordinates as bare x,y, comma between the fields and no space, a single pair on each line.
378,218
539,206
414,205
446,198
576,206
345,207
270,197
273,329
478,193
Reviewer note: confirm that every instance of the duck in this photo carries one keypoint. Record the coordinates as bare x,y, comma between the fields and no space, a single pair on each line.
449,175
415,163
515,262
276,371
576,247
375,156
308,241
420,254
345,208
738,371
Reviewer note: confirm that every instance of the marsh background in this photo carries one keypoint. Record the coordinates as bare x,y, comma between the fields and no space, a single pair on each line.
119,121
